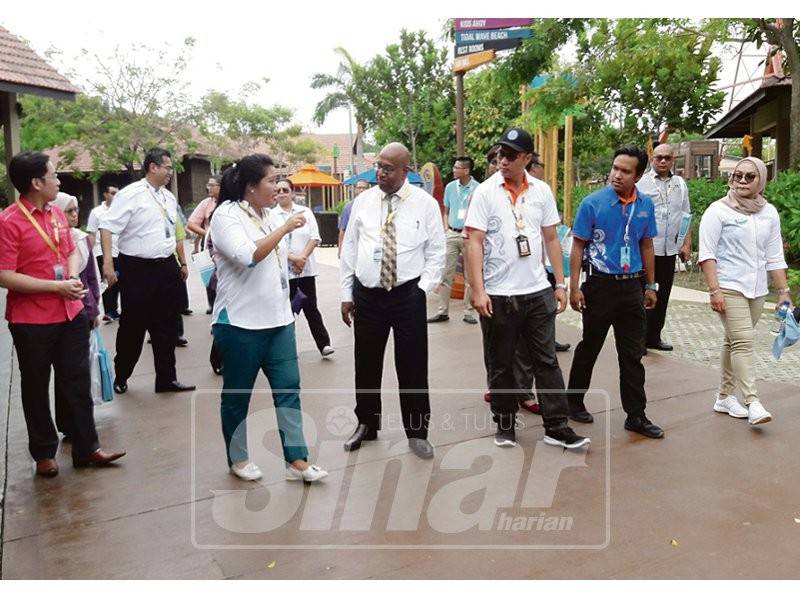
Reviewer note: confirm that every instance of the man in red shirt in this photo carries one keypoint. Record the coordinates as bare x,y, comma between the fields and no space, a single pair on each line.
39,268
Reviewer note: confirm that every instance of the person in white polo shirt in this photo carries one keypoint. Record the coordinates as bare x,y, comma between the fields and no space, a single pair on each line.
510,216
111,295
740,242
302,264
394,251
144,216
252,322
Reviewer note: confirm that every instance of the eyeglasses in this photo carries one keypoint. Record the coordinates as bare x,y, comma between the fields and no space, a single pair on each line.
747,177
508,154
386,168
662,157
210,185
282,190
71,210
537,164
46,177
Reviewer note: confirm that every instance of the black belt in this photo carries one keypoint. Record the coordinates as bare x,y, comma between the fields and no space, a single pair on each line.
149,260
456,230
618,276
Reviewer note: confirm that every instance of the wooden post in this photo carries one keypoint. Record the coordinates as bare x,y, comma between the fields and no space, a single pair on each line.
460,112
553,163
568,179
9,119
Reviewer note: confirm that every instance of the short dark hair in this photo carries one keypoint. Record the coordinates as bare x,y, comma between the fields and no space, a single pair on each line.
534,159
216,177
154,156
637,153
287,180
108,187
249,169
25,167
467,161
492,152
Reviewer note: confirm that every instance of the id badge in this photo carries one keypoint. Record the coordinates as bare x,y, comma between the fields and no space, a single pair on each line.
462,214
625,258
377,255
523,246
284,282
167,231
58,272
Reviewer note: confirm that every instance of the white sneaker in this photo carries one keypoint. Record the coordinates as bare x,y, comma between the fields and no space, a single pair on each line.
327,351
757,414
247,471
312,473
730,405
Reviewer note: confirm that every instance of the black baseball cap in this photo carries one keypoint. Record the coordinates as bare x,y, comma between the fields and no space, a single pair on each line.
517,139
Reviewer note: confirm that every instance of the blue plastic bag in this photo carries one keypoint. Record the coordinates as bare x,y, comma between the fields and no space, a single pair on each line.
104,363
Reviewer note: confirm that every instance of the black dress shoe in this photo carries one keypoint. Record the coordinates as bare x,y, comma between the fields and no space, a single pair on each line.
660,346
186,312
581,416
562,347
643,426
182,342
439,319
361,434
421,448
174,386
120,387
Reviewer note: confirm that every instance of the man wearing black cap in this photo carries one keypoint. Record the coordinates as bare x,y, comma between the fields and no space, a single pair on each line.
510,216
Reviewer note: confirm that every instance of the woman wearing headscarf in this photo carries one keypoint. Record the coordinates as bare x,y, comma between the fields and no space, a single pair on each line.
90,280
302,264
740,242
252,322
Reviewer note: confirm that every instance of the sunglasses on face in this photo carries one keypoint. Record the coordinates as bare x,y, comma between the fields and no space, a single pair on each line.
508,154
282,190
747,177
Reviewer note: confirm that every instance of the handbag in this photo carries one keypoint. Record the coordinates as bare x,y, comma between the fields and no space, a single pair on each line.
94,369
104,364
204,263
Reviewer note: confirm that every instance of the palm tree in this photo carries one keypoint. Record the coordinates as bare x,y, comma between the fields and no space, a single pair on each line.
343,94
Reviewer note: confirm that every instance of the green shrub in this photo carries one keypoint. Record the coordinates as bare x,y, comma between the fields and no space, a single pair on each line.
702,193
784,193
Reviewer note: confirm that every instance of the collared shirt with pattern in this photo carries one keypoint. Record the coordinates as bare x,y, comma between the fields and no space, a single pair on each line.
670,198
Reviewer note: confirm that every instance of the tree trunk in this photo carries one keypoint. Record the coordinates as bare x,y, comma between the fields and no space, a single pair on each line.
783,36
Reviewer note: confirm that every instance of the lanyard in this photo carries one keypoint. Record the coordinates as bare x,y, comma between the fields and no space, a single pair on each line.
168,223
518,216
628,224
292,212
54,246
258,222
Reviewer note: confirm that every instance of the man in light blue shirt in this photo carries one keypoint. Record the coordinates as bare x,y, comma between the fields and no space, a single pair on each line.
456,201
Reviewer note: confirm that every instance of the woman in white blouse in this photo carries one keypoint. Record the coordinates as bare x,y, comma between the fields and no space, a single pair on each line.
252,322
740,242
302,264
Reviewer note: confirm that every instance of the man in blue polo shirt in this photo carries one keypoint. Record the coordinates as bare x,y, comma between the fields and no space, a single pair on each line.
613,234
456,201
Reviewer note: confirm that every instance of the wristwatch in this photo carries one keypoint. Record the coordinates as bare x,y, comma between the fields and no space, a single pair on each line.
653,287
563,286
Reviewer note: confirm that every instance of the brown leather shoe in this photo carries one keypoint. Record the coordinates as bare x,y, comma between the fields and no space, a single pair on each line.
98,458
47,467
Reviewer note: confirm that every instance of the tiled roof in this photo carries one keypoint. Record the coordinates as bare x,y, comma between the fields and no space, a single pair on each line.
326,142
20,65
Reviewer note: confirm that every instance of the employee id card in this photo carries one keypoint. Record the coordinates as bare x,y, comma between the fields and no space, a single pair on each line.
625,258
462,213
58,272
523,246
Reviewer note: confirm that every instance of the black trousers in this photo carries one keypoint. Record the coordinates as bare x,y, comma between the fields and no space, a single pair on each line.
617,304
665,275
308,285
111,295
64,347
403,311
530,321
151,301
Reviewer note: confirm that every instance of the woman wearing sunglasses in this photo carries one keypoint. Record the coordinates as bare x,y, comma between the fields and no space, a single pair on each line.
740,242
302,265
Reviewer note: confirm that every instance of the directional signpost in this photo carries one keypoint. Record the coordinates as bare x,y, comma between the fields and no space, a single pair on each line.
477,41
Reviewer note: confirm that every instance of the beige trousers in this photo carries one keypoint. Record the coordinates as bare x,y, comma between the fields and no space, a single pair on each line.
740,318
455,246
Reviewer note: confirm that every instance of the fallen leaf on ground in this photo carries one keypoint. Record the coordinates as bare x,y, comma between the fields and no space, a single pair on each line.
796,520
674,542
271,565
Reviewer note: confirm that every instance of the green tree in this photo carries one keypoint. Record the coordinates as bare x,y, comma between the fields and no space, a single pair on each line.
650,74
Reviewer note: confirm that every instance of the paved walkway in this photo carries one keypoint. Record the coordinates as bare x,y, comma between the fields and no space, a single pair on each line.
715,498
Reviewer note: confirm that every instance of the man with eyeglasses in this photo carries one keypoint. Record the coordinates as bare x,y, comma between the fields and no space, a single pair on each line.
111,295
535,167
512,217
40,268
457,195
145,216
670,196
393,255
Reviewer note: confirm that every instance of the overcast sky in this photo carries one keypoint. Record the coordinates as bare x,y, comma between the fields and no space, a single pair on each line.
287,41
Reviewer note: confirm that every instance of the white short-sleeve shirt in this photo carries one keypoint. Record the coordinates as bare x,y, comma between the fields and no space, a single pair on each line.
505,272
249,295
299,238
93,225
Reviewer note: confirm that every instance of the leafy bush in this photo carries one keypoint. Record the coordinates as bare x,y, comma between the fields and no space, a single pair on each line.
784,193
702,193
